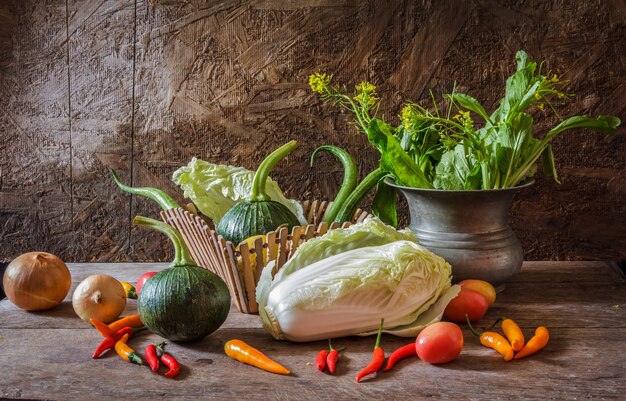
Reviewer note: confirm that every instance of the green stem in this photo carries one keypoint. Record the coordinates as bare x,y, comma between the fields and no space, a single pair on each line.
362,120
350,177
380,333
338,349
182,256
349,206
472,329
260,177
161,198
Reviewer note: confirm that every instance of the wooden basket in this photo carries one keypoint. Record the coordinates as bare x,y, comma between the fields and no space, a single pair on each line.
239,266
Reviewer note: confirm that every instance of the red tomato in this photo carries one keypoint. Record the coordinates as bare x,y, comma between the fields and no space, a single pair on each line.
439,342
142,280
469,302
481,286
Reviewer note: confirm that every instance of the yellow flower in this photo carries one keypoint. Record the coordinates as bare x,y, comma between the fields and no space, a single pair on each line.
365,87
407,112
365,93
554,79
319,81
463,115
540,106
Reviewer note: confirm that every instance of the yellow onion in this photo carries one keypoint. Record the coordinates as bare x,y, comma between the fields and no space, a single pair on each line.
99,297
36,281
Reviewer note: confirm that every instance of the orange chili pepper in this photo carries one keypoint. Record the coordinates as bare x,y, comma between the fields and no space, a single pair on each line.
126,352
242,352
131,320
494,340
106,330
513,333
538,342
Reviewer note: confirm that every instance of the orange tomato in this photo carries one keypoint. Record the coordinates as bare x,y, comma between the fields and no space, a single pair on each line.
482,287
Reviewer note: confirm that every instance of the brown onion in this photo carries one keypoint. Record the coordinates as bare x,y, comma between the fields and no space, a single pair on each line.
99,297
36,281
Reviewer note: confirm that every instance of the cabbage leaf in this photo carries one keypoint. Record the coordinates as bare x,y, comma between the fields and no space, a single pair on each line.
215,188
349,292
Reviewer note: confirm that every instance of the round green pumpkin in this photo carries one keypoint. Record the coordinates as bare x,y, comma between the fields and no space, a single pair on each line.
249,218
184,303
259,214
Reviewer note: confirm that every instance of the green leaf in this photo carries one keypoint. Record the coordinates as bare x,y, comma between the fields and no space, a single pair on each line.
518,89
547,161
602,124
458,170
385,204
469,103
394,160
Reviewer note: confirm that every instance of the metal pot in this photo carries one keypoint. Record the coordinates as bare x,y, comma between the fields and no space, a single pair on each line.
469,229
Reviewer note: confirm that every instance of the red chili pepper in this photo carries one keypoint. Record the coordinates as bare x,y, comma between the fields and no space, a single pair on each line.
169,361
320,361
331,360
152,358
378,357
109,342
399,354
333,356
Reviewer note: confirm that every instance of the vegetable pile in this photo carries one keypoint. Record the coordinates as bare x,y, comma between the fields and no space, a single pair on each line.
116,336
365,279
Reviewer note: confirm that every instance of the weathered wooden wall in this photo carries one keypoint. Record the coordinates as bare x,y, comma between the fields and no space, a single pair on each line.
143,86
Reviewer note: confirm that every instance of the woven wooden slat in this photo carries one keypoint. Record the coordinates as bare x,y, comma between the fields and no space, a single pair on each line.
247,271
241,267
261,259
234,274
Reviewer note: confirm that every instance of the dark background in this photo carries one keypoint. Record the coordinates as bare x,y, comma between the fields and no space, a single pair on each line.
143,86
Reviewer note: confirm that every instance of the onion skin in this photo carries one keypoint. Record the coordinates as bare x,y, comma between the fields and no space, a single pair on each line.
99,297
36,281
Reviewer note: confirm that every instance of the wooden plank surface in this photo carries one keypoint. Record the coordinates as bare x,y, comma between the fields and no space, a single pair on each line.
46,355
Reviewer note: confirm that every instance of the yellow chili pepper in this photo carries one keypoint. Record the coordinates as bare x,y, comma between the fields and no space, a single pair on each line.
493,340
126,352
513,333
129,289
247,354
538,342
498,342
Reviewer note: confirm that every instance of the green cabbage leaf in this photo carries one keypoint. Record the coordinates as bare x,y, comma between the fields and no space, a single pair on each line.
215,188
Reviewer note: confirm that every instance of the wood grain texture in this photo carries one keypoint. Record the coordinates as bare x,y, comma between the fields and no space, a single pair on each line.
145,85
101,62
584,359
35,137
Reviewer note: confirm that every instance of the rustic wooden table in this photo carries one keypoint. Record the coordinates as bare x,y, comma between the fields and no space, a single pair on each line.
47,355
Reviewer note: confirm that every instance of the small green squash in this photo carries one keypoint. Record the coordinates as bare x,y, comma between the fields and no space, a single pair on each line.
184,302
259,214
